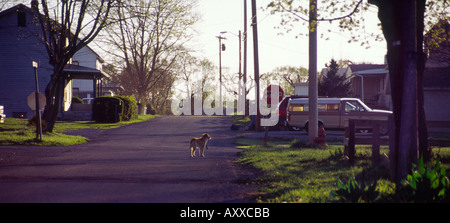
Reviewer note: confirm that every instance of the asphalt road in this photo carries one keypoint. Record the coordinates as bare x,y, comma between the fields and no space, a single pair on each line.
144,162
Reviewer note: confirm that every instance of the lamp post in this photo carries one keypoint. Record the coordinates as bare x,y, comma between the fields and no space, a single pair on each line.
221,48
240,59
242,92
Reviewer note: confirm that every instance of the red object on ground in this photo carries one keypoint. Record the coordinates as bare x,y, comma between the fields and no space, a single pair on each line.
320,139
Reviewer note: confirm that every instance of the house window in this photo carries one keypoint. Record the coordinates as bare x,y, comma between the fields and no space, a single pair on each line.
21,18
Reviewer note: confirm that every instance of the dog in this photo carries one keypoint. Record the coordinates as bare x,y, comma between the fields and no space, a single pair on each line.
200,143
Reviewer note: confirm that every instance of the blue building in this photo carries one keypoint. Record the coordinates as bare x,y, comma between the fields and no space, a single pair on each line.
20,45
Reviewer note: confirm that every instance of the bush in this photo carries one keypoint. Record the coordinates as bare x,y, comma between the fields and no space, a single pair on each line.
107,109
355,191
425,184
130,107
301,144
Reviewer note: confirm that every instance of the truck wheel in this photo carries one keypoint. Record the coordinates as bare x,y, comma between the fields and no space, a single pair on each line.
320,124
384,130
294,128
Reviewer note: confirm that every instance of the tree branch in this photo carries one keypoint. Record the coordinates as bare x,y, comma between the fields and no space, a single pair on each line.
322,20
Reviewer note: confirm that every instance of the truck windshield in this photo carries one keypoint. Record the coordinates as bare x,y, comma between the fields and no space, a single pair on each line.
355,106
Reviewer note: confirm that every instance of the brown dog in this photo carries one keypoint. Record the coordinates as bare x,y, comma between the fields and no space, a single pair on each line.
200,143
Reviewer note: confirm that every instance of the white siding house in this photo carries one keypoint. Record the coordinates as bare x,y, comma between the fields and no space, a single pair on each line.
84,88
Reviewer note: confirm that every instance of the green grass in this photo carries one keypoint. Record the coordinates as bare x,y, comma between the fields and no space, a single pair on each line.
63,126
309,174
241,120
15,131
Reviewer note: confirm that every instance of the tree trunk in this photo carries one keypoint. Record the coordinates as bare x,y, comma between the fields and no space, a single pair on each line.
402,23
53,98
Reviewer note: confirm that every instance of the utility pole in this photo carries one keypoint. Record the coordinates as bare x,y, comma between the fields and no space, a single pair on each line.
312,89
221,48
245,59
241,90
240,55
256,63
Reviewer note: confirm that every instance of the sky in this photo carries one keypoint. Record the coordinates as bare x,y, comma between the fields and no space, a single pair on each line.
275,50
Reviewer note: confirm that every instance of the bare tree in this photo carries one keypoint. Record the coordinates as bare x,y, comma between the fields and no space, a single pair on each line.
289,74
207,70
147,35
66,29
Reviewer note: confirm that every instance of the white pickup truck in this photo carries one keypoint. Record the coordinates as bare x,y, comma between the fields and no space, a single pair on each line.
334,113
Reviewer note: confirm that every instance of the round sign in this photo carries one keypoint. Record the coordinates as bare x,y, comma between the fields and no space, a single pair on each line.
269,92
31,100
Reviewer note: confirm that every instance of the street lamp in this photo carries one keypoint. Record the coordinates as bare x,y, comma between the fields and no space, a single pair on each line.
240,73
240,58
221,48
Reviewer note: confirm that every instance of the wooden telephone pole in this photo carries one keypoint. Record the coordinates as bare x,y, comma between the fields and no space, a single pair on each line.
256,64
221,48
312,89
245,59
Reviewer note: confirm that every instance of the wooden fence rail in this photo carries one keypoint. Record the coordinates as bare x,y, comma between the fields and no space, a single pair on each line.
374,139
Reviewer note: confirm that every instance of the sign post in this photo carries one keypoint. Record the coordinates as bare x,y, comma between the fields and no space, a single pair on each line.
37,107
268,95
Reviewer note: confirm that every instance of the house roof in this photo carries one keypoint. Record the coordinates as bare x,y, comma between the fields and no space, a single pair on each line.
372,71
81,72
14,8
29,10
359,67
437,78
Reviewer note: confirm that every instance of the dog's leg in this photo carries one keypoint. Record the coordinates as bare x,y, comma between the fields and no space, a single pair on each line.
192,151
202,151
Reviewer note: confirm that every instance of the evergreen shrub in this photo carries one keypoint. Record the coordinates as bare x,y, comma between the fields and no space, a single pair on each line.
107,109
130,107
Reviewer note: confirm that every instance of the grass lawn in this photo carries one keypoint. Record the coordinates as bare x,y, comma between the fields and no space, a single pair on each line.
298,173
15,131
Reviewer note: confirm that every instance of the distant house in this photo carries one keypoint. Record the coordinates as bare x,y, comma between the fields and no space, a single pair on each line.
83,86
437,97
370,83
437,79
20,44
